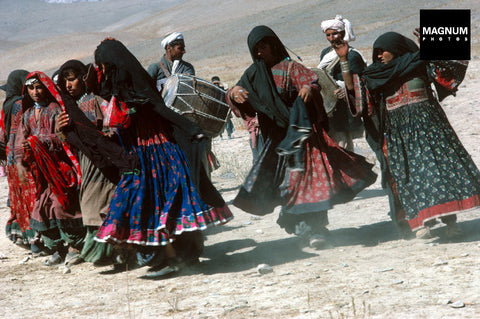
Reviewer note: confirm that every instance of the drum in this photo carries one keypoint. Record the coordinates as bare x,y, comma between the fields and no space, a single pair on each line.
327,85
198,100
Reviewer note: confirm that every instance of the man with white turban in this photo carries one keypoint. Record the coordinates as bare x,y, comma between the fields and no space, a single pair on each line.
171,62
343,126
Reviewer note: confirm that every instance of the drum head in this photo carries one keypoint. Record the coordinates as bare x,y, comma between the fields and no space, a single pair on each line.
170,89
200,101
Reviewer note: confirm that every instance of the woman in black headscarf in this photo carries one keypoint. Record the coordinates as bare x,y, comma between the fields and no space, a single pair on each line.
161,203
96,189
21,194
300,167
426,167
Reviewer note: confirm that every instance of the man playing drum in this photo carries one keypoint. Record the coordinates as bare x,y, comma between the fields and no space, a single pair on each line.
171,62
343,127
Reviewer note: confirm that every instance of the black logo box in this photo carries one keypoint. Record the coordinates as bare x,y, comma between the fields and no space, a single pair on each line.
445,34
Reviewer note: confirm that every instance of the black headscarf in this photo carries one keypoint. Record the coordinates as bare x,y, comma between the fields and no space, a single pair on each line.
80,68
406,62
13,90
258,81
107,155
129,81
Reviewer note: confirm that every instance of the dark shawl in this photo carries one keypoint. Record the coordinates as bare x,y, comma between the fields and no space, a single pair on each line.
405,65
288,125
13,90
258,81
107,155
129,81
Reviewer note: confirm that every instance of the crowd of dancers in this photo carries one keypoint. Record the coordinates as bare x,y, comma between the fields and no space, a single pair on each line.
100,170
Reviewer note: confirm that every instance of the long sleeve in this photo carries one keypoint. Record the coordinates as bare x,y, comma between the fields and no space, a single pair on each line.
22,132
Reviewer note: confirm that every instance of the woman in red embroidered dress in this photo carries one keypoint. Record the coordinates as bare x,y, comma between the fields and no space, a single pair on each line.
21,195
56,213
300,167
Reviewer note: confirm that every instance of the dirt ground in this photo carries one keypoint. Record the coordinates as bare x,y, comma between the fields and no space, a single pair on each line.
368,272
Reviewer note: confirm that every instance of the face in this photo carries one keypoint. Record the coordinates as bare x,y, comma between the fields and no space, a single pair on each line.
74,85
263,51
103,68
334,36
384,56
37,91
176,51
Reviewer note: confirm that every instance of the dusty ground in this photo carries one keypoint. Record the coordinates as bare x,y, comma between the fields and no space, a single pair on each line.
367,273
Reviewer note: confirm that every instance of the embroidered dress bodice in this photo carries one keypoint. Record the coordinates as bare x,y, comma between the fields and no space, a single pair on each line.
411,92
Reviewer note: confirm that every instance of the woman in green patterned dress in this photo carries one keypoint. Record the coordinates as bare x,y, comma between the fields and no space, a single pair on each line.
426,166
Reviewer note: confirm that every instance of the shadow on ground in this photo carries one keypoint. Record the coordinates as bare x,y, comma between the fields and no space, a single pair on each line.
244,254
370,193
470,232
367,235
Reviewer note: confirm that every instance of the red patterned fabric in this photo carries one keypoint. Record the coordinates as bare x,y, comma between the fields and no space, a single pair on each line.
331,174
116,113
58,174
363,103
22,197
449,74
48,83
2,122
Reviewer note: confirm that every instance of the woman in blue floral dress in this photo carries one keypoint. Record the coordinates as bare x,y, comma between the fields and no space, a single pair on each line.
162,206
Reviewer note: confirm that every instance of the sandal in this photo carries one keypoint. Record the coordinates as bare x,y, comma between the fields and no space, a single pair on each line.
173,265
317,241
73,258
424,233
54,259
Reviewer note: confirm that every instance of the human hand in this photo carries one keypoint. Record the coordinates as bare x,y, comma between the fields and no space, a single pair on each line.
416,33
239,94
26,146
340,93
306,93
62,121
341,48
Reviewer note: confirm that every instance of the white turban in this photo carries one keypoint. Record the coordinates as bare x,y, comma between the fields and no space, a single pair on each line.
339,24
170,38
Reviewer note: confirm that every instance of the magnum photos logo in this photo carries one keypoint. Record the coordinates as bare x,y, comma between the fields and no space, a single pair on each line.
445,34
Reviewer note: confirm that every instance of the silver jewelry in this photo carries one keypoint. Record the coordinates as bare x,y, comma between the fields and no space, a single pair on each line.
344,66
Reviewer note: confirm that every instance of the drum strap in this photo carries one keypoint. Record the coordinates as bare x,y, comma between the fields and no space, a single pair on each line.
164,69
332,64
